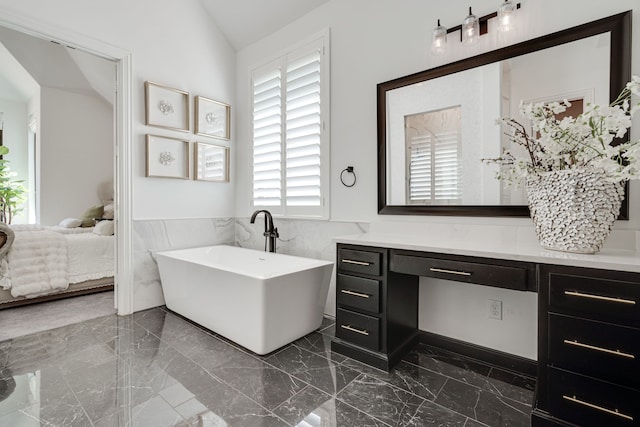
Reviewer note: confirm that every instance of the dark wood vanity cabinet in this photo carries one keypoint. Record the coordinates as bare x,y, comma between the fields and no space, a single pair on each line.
589,348
375,323
588,325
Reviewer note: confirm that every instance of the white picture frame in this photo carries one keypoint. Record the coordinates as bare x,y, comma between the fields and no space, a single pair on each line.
166,107
211,162
212,118
167,157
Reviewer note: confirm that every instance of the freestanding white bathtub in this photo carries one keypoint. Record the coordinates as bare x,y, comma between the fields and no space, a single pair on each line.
260,300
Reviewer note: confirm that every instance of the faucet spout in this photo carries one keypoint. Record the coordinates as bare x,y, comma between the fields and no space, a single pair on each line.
270,232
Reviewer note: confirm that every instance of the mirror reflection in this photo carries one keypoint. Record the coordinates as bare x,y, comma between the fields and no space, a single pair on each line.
439,130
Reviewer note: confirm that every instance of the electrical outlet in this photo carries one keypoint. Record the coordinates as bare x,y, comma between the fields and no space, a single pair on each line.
495,309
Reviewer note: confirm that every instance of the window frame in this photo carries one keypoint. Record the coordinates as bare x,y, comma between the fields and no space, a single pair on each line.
319,40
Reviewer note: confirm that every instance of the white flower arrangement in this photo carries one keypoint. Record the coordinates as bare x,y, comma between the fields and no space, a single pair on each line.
578,142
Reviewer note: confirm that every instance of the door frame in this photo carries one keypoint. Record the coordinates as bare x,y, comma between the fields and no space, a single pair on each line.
123,153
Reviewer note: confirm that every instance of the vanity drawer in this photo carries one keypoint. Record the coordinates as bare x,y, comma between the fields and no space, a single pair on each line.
589,402
599,298
359,261
358,292
462,271
603,350
358,329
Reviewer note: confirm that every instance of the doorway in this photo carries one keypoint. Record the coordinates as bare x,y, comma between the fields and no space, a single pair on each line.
122,148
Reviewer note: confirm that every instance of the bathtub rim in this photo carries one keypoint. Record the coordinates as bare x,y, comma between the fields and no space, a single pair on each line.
311,262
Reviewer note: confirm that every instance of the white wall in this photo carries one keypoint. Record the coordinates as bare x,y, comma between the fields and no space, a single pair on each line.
373,41
76,152
172,43
14,137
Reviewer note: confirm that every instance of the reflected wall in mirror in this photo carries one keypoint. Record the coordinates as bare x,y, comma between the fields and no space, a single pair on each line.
436,126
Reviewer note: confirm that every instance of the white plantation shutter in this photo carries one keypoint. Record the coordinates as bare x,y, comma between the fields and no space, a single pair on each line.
303,127
290,147
435,169
267,138
420,167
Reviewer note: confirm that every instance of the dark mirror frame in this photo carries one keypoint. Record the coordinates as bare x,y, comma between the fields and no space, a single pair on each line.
620,73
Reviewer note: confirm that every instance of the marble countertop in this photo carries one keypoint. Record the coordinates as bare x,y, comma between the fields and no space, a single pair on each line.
507,246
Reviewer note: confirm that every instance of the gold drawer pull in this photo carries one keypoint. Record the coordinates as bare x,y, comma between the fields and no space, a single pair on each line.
357,331
350,261
604,350
440,270
355,294
599,408
600,297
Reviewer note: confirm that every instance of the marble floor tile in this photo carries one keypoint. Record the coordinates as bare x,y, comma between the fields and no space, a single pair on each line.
261,382
313,369
498,411
319,344
155,368
235,408
430,414
412,378
30,319
510,385
98,390
459,397
383,401
317,408
449,364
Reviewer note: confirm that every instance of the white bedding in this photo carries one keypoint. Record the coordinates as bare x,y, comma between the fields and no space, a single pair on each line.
73,230
36,263
90,256
42,261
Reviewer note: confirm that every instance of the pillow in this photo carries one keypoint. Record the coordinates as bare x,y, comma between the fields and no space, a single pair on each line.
88,217
108,211
70,223
104,228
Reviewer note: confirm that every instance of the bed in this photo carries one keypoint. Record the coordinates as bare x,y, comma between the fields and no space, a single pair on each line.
45,263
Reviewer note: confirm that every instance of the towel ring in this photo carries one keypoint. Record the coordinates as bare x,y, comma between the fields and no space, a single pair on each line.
348,169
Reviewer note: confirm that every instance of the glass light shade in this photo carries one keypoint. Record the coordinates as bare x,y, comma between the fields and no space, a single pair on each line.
470,29
439,39
506,16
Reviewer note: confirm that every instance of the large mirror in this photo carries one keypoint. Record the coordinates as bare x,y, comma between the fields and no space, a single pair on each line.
436,126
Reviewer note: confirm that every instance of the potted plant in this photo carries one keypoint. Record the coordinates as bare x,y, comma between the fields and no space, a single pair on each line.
12,192
573,168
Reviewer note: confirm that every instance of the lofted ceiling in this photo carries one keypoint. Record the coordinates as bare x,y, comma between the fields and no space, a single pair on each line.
244,22
28,62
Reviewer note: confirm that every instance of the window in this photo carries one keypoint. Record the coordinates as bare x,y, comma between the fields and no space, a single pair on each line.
434,157
290,132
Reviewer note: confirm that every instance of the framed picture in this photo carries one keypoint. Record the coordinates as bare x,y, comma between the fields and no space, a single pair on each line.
212,162
167,157
166,107
213,118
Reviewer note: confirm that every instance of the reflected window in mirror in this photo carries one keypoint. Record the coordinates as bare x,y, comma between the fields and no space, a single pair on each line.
433,154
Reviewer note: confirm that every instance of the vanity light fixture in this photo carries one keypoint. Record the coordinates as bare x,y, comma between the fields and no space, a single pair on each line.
439,39
470,31
473,27
506,16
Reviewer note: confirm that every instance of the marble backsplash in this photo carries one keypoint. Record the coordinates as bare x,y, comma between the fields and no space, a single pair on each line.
151,236
306,238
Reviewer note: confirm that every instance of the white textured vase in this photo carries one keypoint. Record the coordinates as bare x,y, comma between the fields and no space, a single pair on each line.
573,210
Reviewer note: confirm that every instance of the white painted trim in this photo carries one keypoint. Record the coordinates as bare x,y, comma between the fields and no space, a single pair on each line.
124,187
123,143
